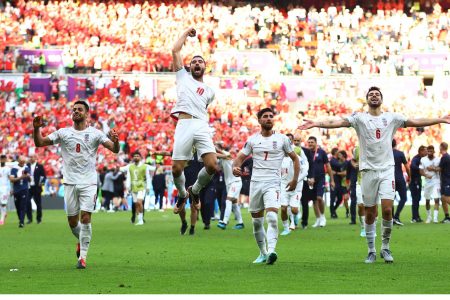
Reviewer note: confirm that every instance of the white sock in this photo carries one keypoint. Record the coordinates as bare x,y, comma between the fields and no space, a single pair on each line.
228,207
260,234
436,214
386,229
286,224
76,230
203,179
272,231
141,218
179,183
85,239
3,213
292,220
237,213
428,213
322,216
370,236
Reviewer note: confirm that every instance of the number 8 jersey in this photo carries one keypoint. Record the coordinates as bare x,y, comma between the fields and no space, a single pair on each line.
375,134
79,153
268,154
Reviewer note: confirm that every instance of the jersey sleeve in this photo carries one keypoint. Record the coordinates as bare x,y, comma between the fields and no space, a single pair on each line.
421,167
101,137
182,73
55,136
399,120
353,119
325,157
287,146
248,147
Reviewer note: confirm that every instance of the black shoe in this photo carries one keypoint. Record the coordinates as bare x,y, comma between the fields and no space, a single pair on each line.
183,228
446,220
207,227
419,220
133,219
29,222
352,223
21,225
304,226
192,230
39,222
347,214
397,222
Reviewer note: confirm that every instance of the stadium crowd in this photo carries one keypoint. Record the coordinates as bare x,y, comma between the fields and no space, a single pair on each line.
124,36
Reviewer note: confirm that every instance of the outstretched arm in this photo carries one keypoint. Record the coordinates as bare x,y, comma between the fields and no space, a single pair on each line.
334,123
177,60
39,140
426,121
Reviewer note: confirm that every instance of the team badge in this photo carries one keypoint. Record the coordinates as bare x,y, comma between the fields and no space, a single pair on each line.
274,145
86,137
384,122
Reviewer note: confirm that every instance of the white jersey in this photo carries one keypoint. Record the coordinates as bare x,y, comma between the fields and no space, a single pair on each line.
268,154
287,168
375,134
227,167
79,153
425,162
193,96
5,183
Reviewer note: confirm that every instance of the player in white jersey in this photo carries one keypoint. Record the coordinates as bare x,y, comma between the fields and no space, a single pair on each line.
268,149
291,200
193,98
234,185
375,130
79,145
429,166
5,188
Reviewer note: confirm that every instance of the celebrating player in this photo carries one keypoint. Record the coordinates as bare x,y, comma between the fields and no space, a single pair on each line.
268,149
79,145
5,188
375,130
192,128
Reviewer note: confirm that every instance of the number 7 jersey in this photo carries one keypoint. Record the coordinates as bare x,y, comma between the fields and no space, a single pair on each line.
268,154
375,134
79,153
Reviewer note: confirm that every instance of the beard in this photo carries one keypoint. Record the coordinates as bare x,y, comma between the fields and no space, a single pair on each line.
267,126
197,72
374,105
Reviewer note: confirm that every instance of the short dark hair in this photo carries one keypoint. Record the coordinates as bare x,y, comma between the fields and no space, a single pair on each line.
3,156
421,148
343,153
137,153
334,151
199,57
374,88
444,146
394,143
431,147
312,138
83,102
263,111
290,135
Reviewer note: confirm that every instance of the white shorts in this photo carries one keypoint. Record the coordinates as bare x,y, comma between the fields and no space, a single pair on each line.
4,196
291,199
138,196
376,185
264,195
234,189
432,191
189,133
359,198
80,197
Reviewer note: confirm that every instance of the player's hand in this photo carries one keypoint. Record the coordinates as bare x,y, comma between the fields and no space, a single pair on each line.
38,122
237,171
333,185
306,125
291,186
113,136
191,32
447,119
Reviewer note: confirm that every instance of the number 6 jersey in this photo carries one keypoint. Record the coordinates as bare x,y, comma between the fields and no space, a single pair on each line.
79,153
268,154
375,134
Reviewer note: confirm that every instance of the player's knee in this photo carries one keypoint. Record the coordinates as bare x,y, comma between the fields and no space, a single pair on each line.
176,170
294,210
212,168
85,218
272,218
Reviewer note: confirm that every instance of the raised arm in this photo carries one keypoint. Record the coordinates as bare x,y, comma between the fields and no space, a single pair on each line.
113,143
333,123
177,60
39,140
422,122
237,163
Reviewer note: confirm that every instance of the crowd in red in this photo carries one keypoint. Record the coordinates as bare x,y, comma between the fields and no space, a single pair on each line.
138,35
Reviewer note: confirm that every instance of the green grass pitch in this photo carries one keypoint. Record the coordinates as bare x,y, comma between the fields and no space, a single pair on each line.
156,259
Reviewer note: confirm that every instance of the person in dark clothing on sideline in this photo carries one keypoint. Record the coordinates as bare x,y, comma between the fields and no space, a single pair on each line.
415,184
37,177
400,183
159,186
20,178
